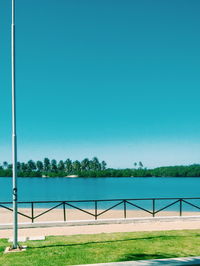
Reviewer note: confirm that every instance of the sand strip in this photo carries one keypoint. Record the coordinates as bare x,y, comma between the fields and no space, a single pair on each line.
6,216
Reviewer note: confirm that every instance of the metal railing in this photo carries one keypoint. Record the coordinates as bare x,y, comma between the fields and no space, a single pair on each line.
97,212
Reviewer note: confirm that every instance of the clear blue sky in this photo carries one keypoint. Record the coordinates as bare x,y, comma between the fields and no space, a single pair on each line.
119,80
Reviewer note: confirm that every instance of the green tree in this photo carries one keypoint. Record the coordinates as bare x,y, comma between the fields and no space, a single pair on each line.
5,165
18,166
53,165
96,164
39,165
10,166
61,165
31,165
91,166
46,164
85,164
24,167
76,166
140,165
103,165
68,166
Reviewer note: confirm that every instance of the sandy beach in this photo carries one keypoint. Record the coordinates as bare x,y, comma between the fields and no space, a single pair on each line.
71,214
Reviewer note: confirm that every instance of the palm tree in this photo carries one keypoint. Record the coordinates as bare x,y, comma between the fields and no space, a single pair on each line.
135,165
85,164
140,165
24,167
10,166
39,165
53,165
91,165
61,165
76,166
46,164
5,165
103,165
68,166
31,165
18,166
96,164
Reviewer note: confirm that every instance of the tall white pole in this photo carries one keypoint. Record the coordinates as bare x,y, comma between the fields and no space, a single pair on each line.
14,136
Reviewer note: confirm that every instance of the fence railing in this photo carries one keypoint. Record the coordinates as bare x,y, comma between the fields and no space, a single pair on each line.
97,211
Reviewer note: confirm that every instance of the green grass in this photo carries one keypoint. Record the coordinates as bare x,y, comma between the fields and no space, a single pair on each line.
82,249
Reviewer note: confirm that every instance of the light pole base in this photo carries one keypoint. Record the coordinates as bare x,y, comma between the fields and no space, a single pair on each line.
12,250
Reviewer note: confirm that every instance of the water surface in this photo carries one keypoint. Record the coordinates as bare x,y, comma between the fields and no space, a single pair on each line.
32,189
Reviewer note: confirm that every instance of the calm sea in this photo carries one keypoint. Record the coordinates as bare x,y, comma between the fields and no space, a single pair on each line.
44,189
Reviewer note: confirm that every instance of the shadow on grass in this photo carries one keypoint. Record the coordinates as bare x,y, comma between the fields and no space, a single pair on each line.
143,256
109,241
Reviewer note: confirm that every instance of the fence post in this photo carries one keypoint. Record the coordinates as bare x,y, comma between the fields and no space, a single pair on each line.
32,212
153,207
96,210
181,207
64,211
124,209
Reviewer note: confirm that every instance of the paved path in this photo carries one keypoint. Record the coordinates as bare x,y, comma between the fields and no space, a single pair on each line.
103,228
168,262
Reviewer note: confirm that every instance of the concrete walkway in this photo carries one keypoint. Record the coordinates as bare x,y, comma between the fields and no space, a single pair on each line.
98,227
159,262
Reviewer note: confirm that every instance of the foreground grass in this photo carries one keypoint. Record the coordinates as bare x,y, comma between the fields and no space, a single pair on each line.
82,249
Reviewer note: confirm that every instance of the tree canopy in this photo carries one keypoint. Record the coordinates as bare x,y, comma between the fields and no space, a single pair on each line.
94,168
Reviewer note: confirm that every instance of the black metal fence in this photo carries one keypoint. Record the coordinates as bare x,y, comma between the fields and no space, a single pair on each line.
153,208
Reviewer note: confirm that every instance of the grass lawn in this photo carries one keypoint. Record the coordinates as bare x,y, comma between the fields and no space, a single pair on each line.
81,249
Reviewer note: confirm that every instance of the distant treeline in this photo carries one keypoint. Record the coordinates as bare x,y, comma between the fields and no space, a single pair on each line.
168,171
94,168
49,167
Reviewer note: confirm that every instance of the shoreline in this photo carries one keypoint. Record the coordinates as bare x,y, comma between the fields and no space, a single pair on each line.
56,214
76,176
66,230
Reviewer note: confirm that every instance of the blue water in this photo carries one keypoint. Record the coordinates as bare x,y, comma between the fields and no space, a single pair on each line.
32,189
46,189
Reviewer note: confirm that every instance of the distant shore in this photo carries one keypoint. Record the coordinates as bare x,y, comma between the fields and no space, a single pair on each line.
70,176
89,177
167,171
